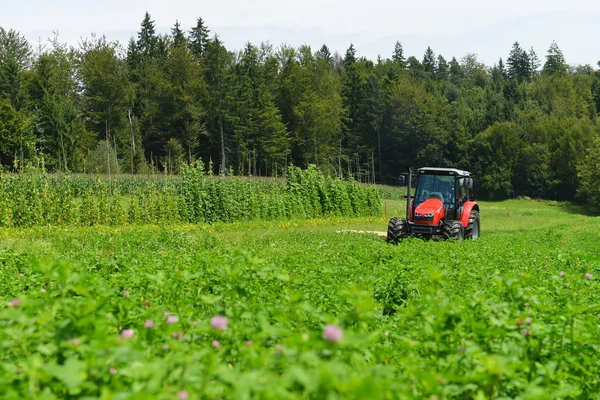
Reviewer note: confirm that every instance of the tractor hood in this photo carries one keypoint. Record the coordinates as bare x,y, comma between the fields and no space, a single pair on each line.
429,208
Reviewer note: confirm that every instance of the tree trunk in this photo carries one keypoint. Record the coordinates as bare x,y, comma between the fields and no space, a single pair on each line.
132,142
108,157
379,146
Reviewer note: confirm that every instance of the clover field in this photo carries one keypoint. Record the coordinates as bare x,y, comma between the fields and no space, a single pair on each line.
127,312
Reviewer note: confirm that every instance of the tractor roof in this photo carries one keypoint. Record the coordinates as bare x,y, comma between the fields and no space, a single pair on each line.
443,171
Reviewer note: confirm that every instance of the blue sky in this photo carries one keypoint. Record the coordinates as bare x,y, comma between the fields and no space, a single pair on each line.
452,28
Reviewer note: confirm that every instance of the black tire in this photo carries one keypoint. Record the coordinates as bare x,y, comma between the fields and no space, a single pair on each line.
397,229
474,228
453,230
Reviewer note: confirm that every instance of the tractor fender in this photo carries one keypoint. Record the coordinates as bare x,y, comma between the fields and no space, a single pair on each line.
466,212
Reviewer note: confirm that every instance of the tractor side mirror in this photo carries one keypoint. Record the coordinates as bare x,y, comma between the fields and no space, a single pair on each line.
469,183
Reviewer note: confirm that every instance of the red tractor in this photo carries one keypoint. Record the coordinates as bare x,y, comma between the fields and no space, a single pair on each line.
441,208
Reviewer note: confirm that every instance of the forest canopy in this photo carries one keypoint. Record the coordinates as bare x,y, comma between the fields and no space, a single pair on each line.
525,126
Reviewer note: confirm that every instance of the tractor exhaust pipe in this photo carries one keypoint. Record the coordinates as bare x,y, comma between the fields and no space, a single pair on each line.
408,187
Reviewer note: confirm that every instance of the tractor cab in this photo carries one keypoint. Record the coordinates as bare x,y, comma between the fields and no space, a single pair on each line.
442,206
452,187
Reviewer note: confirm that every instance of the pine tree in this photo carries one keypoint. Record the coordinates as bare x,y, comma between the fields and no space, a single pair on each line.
497,74
502,68
456,71
181,98
429,64
325,53
398,56
350,57
316,110
519,64
44,99
11,82
555,61
442,69
178,35
245,123
351,91
372,115
133,58
103,77
17,142
14,45
273,139
415,67
198,39
147,40
216,67
596,89
534,62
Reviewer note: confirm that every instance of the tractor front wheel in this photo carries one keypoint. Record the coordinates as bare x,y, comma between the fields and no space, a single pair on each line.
453,230
474,227
397,230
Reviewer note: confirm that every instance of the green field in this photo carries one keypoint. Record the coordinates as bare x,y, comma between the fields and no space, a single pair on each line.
482,319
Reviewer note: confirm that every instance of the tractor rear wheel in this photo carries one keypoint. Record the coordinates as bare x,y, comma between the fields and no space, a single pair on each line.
453,230
397,230
474,227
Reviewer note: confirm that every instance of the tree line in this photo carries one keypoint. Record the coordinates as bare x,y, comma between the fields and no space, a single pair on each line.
524,126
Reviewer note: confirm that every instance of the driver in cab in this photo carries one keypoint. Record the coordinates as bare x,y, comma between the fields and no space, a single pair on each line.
443,191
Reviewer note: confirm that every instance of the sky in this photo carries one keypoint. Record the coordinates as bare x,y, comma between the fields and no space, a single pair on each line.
451,28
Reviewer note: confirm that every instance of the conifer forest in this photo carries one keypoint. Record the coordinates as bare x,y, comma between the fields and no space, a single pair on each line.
525,126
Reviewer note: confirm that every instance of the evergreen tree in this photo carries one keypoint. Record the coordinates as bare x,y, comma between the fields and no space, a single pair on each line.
350,57
245,122
147,40
105,98
596,89
49,106
325,53
133,59
534,62
372,109
442,69
429,64
502,68
316,125
182,97
555,61
199,38
415,68
14,46
178,35
217,62
273,139
498,75
351,97
519,64
456,71
17,143
11,83
398,56
287,89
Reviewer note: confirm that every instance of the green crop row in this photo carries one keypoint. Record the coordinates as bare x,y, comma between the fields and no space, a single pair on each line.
195,197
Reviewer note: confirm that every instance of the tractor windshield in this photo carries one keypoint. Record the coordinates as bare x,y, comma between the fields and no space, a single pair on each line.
435,186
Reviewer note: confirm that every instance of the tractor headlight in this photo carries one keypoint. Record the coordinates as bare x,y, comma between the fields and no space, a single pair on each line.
430,215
